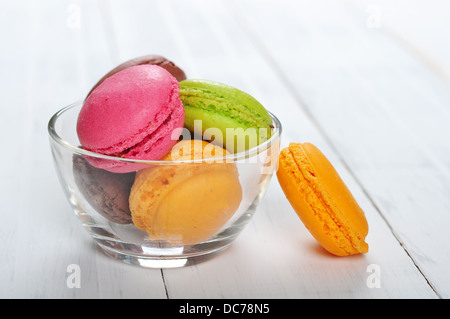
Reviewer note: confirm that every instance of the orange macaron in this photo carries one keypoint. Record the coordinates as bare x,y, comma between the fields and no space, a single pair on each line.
322,200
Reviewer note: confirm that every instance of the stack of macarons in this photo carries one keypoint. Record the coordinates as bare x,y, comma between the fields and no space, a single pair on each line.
139,111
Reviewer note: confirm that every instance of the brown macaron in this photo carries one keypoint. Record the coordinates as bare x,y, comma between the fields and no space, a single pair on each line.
106,192
146,59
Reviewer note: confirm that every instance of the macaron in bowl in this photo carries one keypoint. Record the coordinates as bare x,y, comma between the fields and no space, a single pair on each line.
131,114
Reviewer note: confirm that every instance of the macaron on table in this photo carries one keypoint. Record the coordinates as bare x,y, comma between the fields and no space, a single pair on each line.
322,200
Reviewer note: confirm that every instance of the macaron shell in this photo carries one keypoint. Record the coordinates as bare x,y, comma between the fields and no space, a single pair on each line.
188,150
348,209
186,203
221,192
125,107
220,107
322,200
224,91
187,208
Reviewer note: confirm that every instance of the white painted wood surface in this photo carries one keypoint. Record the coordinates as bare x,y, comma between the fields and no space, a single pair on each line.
366,81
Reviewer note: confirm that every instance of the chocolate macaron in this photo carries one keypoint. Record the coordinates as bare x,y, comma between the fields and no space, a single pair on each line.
146,59
106,192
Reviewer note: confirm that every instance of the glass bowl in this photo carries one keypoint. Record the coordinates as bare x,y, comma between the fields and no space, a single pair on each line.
209,203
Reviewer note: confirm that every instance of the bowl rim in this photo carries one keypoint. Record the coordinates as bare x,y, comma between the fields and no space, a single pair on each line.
276,135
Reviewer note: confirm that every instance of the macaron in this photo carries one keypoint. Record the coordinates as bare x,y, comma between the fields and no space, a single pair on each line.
322,200
151,59
187,203
225,115
106,192
132,115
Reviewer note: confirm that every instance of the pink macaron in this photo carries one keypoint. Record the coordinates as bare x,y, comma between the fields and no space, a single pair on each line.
132,115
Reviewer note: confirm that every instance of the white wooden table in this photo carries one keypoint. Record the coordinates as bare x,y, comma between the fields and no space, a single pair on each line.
368,82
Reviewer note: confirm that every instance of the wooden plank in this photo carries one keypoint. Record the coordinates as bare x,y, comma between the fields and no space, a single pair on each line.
381,109
275,256
46,64
418,26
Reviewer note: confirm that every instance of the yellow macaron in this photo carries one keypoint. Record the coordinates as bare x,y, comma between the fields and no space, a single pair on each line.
322,200
188,203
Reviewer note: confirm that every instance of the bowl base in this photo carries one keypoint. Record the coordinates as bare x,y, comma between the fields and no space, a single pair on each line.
161,261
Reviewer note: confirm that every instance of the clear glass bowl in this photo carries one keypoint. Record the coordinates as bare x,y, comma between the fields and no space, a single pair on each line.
178,234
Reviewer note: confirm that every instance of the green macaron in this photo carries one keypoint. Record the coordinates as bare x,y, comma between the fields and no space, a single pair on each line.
224,114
